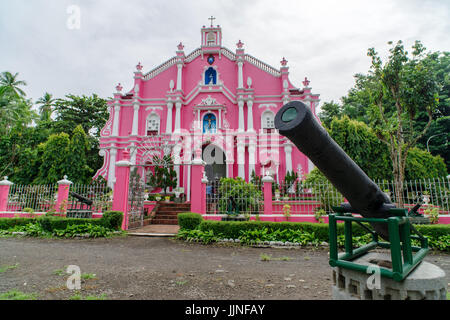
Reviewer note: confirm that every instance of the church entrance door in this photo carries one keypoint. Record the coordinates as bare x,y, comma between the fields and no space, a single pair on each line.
214,157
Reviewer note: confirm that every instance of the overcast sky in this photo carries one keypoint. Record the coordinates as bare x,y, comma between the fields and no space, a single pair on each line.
326,41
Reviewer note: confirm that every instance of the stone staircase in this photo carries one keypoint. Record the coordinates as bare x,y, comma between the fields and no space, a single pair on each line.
168,211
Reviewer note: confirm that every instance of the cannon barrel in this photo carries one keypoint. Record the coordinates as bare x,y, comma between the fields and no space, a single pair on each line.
296,122
81,198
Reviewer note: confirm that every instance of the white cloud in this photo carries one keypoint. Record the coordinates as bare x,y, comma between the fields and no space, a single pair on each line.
324,40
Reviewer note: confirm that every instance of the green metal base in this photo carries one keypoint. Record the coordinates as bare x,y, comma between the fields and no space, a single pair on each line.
399,226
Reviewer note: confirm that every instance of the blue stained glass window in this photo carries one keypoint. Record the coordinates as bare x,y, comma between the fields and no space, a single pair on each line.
211,76
209,123
211,59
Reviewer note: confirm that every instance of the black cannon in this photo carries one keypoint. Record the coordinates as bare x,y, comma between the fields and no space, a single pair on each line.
82,199
296,121
81,210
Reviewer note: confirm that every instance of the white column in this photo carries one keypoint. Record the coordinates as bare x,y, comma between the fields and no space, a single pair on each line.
250,116
241,116
188,189
251,160
133,154
240,75
115,132
288,153
112,168
176,162
241,160
179,75
220,119
169,117
134,131
177,116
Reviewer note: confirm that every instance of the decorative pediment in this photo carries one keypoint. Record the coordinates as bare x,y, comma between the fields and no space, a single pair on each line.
209,101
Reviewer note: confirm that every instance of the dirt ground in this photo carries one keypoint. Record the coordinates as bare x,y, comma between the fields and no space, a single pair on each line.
164,268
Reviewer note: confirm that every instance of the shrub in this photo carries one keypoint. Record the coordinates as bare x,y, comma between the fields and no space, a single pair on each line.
189,220
246,195
50,223
7,223
112,219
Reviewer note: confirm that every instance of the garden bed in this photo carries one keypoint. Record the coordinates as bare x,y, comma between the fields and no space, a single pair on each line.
58,226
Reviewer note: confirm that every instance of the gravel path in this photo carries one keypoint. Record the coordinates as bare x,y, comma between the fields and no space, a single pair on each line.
163,268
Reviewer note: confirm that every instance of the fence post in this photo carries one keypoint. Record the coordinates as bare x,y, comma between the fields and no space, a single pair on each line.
267,180
4,192
204,182
198,193
63,195
121,188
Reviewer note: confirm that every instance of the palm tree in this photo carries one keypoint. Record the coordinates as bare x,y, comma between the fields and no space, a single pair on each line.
46,107
10,84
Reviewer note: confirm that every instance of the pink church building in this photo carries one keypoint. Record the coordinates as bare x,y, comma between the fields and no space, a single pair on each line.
212,103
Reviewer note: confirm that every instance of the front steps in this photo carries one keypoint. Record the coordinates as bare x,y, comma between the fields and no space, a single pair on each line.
167,212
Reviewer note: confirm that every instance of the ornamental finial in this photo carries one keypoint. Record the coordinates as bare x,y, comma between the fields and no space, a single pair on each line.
119,88
284,62
180,46
306,82
139,67
240,44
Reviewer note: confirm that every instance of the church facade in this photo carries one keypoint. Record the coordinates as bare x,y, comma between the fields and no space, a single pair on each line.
213,103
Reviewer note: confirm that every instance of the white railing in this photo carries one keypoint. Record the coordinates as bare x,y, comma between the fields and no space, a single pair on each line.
194,54
262,65
228,53
153,73
36,198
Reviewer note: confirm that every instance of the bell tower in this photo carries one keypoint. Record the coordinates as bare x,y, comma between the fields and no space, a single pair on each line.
211,36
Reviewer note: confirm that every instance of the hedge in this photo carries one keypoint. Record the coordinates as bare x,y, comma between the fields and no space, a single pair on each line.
110,220
232,229
189,220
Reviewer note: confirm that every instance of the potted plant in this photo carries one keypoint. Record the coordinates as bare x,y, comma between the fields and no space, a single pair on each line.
277,195
146,195
157,197
426,197
167,198
287,211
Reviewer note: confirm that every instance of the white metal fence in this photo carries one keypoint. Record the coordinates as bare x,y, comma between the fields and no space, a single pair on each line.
303,198
38,198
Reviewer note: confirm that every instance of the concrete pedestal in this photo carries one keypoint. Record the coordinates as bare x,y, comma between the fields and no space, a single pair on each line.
425,282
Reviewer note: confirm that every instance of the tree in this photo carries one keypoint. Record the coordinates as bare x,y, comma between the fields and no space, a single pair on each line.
164,176
10,85
329,110
46,107
90,112
398,90
361,144
78,169
55,154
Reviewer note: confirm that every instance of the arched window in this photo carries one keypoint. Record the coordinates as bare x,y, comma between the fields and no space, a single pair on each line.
268,122
153,125
209,123
210,76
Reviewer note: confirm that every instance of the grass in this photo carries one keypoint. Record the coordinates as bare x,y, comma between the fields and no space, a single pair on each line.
17,295
59,272
6,268
87,276
78,296
268,257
